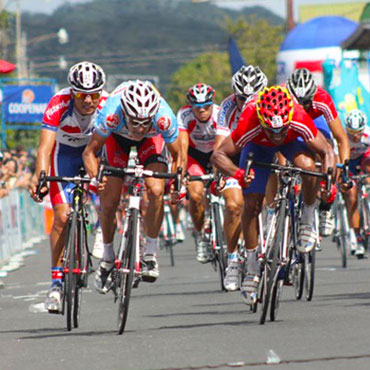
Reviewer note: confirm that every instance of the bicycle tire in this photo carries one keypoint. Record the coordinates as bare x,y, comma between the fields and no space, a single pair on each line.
171,235
298,276
343,239
276,283
309,278
276,295
126,278
69,277
270,268
221,254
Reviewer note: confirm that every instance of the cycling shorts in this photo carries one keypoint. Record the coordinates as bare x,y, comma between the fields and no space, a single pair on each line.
266,154
231,183
198,162
65,161
358,164
149,150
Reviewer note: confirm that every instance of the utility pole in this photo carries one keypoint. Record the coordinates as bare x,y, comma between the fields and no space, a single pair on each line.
18,45
290,15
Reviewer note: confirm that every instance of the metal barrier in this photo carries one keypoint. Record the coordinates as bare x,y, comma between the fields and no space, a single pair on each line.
21,226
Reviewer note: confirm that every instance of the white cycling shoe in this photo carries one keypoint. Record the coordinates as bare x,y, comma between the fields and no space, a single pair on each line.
231,279
307,238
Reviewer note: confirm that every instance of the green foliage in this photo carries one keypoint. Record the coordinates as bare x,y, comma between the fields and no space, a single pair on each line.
26,139
258,42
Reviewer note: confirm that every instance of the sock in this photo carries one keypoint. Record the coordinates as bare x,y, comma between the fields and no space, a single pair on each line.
56,276
352,236
308,214
108,255
232,257
151,245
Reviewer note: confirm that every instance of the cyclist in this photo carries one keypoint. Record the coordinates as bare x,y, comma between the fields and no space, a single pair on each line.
359,139
135,115
246,83
268,124
317,102
67,126
197,123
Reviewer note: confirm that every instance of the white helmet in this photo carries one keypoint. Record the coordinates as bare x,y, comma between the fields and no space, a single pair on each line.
248,81
356,121
140,100
86,77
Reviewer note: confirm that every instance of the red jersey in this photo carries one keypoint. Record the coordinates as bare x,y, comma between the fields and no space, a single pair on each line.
249,128
322,105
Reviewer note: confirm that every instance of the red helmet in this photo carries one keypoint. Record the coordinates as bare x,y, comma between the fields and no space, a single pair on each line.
200,94
274,107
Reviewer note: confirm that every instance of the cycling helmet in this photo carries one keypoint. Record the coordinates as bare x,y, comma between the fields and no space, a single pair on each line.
248,80
356,121
274,107
200,94
302,85
86,77
140,100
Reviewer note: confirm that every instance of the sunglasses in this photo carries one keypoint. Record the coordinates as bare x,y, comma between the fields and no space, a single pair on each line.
202,105
136,122
242,98
276,130
82,96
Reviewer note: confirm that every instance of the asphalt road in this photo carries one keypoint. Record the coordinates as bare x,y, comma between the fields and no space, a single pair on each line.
184,321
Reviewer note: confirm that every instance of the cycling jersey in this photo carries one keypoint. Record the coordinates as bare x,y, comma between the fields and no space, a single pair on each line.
72,128
249,128
111,119
73,132
228,116
360,148
322,104
201,134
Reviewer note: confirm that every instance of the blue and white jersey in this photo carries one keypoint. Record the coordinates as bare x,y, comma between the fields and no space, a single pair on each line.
111,119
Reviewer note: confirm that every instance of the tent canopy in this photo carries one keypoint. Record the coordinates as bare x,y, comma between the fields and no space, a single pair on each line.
360,39
6,67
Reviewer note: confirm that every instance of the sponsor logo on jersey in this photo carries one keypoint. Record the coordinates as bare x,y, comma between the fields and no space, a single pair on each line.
164,123
55,108
112,120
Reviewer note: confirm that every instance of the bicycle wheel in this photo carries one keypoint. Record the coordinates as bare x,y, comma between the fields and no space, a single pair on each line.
276,295
271,263
221,249
298,276
70,262
171,236
309,268
127,270
343,240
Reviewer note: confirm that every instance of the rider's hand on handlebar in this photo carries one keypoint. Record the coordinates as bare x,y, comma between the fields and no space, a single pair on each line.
38,197
244,181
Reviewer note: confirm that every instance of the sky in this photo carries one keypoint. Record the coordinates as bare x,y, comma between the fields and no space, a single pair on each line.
277,6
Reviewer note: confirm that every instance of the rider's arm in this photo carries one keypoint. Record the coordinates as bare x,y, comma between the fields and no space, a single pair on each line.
47,141
320,146
89,155
341,137
184,146
176,153
221,157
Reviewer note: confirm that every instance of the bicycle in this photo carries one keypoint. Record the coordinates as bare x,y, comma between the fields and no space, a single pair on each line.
126,273
275,257
216,241
76,260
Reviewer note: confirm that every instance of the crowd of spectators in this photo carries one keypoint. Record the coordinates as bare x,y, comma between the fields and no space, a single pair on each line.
16,169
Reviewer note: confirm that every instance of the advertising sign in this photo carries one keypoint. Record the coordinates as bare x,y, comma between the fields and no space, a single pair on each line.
25,103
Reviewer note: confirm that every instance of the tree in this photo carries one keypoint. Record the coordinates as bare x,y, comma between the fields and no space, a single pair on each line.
259,43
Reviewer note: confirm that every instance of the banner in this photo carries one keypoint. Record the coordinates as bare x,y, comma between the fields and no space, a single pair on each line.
25,104
350,93
235,58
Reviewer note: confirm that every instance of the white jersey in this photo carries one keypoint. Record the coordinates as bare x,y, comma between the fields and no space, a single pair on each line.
360,148
228,116
201,134
61,116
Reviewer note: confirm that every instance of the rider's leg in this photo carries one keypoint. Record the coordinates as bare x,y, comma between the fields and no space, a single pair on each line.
196,203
